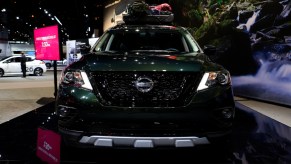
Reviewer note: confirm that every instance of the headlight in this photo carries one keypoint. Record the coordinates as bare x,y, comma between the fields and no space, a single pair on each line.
214,78
76,78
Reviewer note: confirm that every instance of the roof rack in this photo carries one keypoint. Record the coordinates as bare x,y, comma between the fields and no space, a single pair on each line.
140,12
148,19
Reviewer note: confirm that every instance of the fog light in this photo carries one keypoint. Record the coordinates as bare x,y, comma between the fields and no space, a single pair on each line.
227,113
63,111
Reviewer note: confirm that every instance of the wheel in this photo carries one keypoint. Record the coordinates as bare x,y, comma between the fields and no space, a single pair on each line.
38,71
1,72
48,65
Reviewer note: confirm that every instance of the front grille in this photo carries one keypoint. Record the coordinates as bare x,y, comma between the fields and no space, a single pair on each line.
170,89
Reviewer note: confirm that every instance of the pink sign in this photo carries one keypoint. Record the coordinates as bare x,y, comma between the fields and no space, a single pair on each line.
48,146
46,43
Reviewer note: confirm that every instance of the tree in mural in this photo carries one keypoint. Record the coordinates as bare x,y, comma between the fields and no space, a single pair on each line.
215,22
188,12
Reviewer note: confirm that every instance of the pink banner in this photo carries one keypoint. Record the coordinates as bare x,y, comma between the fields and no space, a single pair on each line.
48,146
46,42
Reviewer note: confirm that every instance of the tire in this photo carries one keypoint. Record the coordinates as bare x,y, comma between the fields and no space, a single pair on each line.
1,72
48,65
38,71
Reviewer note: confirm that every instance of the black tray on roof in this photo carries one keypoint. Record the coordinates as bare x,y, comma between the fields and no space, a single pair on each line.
148,19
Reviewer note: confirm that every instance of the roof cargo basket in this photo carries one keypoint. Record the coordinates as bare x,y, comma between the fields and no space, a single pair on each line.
148,19
140,12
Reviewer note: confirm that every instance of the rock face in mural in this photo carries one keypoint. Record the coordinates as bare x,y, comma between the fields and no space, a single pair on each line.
252,39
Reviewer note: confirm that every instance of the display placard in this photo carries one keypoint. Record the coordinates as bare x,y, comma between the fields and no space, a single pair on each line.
48,146
46,42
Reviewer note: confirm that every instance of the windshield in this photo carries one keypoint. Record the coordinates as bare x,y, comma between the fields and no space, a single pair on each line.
149,40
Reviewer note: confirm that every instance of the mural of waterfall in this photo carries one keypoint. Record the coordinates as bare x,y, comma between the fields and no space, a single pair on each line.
269,29
252,20
271,83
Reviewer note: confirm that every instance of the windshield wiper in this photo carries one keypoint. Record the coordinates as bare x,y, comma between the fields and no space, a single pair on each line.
172,50
156,51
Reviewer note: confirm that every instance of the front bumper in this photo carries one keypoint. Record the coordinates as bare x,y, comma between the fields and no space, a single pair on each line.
90,124
77,139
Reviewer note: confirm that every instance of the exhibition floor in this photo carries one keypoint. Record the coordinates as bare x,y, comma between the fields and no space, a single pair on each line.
256,139
261,134
279,113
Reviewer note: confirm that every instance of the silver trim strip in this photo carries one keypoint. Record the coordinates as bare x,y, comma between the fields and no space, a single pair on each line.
143,142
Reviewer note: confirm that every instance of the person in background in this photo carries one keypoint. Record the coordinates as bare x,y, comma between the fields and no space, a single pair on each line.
23,64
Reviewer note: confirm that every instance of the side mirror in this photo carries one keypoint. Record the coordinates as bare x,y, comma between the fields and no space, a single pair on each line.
85,49
209,50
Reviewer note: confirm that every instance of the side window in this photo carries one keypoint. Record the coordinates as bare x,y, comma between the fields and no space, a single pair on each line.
10,60
17,60
29,59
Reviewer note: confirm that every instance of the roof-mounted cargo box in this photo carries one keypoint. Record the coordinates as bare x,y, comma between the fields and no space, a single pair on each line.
140,12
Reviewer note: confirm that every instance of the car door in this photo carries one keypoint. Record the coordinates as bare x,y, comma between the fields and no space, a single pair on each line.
13,66
29,65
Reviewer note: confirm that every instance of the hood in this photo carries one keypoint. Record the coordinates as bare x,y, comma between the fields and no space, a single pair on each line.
105,62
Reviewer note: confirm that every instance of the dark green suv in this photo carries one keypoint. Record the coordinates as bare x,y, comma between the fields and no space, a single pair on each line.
144,86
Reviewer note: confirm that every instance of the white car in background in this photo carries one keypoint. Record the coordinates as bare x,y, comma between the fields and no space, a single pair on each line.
62,62
10,65
50,63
